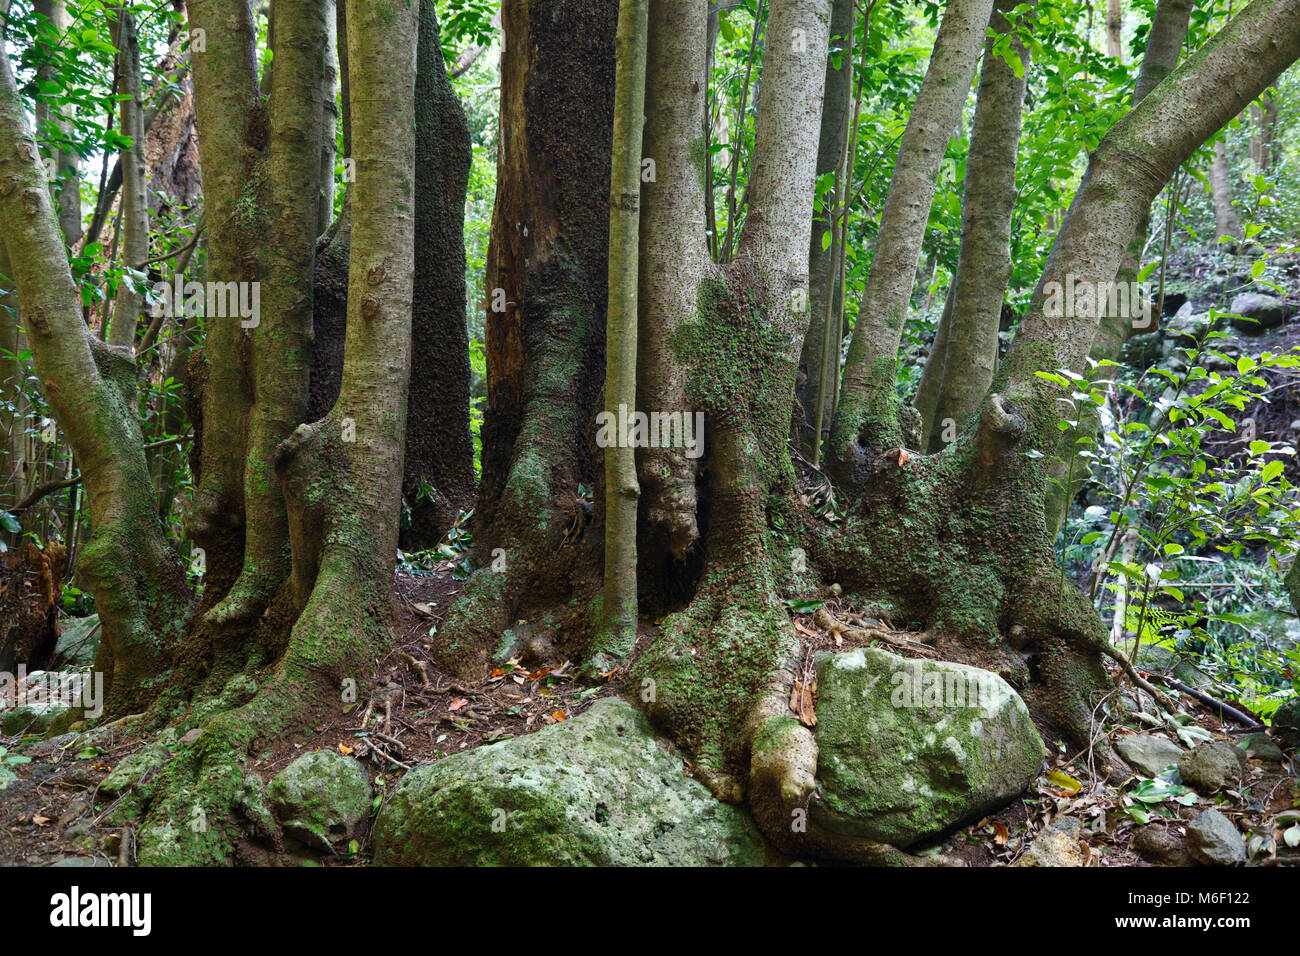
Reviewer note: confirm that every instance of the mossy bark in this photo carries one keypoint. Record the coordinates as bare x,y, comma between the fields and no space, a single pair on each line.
133,571
438,481
546,294
341,481
867,419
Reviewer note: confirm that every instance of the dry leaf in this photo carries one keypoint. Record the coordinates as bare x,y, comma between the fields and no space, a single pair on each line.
41,821
559,715
345,750
458,703
1000,833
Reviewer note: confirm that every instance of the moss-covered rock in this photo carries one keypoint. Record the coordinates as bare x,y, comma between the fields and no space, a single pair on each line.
595,790
135,772
30,719
321,798
909,749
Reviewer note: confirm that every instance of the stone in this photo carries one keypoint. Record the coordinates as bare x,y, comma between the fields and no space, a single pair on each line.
1214,765
910,749
1148,754
78,642
1263,746
1156,844
1286,722
596,790
1255,312
30,720
321,798
1214,841
1057,845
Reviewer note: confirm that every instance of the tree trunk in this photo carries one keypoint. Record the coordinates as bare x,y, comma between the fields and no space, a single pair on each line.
831,153
132,570
439,478
1114,30
617,635
984,257
1227,221
868,417
68,199
135,196
547,273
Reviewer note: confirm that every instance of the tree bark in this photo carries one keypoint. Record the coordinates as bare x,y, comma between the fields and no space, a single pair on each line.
867,418
439,476
617,635
1227,221
133,572
984,257
135,196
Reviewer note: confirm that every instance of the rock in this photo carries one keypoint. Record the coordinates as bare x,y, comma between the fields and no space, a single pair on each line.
1155,844
909,749
78,642
1160,659
1058,845
1214,841
134,772
30,720
595,790
1286,722
1147,754
1263,746
321,798
1256,312
1212,766
1142,351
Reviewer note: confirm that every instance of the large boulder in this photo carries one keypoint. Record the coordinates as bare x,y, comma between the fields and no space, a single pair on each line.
595,790
321,798
909,749
1255,312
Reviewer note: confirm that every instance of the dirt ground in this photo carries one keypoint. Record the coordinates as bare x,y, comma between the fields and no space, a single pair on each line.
419,715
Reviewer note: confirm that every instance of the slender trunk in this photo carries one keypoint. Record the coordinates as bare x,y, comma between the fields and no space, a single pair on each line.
135,198
672,239
928,389
832,147
134,574
984,257
66,170
1227,221
1114,29
619,606
868,414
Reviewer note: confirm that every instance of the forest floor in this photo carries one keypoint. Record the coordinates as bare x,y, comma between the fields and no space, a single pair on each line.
51,813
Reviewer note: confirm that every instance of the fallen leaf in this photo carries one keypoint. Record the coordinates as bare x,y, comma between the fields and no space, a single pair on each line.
1000,833
345,750
1064,781
458,703
41,821
559,715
